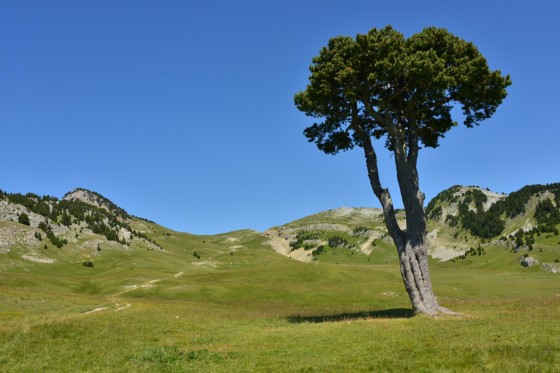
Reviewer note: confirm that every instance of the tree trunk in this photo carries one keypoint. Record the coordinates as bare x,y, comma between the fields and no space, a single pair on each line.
413,259
413,252
410,243
413,255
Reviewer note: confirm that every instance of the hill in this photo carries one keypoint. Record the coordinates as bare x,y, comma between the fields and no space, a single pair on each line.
152,299
86,228
462,221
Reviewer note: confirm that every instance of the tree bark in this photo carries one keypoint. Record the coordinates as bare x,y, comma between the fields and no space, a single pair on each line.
410,243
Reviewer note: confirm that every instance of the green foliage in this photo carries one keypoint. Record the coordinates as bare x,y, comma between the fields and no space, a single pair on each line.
453,221
106,221
23,218
302,237
514,204
337,241
447,195
102,201
56,241
382,77
66,219
434,213
480,223
491,223
33,202
360,231
471,214
88,263
319,250
547,215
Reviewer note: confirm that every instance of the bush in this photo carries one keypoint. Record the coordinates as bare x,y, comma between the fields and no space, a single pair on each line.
88,263
23,218
302,237
195,254
359,231
337,241
318,251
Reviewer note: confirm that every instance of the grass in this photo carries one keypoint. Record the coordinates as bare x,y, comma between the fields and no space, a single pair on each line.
241,307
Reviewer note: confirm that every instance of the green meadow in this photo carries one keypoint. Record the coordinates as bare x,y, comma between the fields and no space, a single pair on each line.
237,306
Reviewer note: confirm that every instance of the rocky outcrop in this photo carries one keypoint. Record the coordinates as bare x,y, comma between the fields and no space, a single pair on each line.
550,268
528,261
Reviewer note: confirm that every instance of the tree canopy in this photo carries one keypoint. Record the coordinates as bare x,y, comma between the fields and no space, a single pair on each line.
401,88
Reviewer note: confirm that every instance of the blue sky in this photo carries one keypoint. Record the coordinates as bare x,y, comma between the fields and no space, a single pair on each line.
182,111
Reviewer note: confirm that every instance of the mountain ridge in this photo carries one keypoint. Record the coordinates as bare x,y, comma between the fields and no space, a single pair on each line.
461,220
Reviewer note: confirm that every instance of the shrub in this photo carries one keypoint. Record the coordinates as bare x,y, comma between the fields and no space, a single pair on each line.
23,218
302,237
359,231
195,254
318,251
337,241
88,263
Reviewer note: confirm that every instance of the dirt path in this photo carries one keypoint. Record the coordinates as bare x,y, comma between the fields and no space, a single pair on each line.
95,310
119,306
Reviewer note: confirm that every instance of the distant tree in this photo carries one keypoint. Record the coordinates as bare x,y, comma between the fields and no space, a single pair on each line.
337,241
383,86
66,219
23,218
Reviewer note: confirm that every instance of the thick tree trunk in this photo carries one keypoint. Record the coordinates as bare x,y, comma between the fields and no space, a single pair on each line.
410,243
413,252
416,277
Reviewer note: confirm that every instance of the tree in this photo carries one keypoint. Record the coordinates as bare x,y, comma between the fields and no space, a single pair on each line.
383,86
23,218
66,219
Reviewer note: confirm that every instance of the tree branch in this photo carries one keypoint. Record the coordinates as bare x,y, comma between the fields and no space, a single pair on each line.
373,173
386,121
413,148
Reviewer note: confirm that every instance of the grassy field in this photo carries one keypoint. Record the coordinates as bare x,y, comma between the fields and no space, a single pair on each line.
237,307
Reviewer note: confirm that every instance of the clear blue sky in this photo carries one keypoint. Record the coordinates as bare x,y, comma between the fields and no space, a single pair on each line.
182,111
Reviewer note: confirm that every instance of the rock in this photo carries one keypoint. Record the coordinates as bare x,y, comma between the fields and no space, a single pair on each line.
528,261
550,268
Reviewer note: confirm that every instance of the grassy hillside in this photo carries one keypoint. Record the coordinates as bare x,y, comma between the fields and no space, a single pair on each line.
229,303
260,311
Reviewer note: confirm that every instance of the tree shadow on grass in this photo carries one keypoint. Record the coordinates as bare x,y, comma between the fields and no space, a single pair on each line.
395,313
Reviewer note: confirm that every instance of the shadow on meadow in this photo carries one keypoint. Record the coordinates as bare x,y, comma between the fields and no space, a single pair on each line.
395,313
